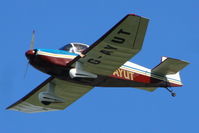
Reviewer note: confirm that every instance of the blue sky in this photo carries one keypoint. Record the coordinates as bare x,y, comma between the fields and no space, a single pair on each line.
173,32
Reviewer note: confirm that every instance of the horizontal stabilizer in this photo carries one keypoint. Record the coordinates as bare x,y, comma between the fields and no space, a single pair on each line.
147,88
169,66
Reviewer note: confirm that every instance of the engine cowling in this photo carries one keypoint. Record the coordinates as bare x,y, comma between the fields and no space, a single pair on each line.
47,98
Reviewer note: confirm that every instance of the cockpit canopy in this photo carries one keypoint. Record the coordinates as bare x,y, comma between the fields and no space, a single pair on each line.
75,47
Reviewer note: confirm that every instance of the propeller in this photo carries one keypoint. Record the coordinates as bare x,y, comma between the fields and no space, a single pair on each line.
31,48
32,40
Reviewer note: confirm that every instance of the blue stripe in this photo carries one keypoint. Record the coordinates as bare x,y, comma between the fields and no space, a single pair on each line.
135,68
150,73
54,51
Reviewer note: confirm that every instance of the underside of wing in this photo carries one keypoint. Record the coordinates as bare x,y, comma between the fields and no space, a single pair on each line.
64,92
116,47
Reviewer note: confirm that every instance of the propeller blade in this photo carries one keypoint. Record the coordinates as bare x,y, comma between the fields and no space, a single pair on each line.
33,40
26,71
31,48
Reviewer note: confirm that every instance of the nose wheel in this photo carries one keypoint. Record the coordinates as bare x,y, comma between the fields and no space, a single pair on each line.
173,94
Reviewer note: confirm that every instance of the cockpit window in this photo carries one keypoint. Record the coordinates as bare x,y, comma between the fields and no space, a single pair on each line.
75,47
80,48
66,47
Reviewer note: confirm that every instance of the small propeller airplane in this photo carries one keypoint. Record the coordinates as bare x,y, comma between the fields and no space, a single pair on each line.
76,68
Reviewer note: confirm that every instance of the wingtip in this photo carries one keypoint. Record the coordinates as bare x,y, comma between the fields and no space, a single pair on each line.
132,14
7,108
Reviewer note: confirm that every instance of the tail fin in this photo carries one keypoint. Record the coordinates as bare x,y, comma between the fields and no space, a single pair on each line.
170,68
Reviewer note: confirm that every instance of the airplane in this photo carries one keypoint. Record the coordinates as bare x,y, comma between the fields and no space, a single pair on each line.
76,68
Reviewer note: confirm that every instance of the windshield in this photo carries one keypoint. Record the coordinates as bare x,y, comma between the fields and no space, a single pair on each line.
74,47
80,48
67,47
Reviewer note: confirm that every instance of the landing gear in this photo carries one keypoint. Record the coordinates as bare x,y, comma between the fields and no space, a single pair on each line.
47,97
173,94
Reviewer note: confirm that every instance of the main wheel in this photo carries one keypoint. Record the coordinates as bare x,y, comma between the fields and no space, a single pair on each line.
46,102
173,94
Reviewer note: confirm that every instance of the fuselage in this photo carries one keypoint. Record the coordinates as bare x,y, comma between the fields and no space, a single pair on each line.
57,63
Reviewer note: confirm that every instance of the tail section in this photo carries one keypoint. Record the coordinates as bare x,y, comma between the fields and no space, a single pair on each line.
170,68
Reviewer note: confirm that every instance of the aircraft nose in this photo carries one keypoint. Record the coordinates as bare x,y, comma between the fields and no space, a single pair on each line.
30,53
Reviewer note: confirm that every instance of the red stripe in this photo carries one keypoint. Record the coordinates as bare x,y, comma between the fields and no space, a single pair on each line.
132,76
55,60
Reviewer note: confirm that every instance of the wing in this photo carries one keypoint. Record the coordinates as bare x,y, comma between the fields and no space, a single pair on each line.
116,47
65,90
